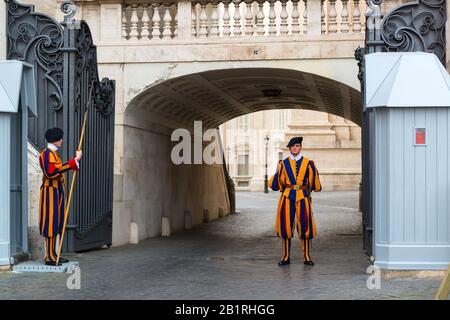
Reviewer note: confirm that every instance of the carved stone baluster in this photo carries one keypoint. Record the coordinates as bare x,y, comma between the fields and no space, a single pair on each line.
167,33
134,33
194,19
175,22
156,19
203,31
344,16
214,31
295,25
323,26
145,33
125,22
272,17
260,19
305,17
356,17
332,24
283,16
237,18
248,18
226,18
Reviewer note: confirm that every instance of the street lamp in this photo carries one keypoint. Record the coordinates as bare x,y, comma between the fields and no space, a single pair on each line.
266,181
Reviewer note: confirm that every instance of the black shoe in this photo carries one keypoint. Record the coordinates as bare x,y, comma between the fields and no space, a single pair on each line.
63,260
52,263
284,262
309,262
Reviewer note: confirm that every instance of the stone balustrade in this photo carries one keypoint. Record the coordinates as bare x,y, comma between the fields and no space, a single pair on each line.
172,20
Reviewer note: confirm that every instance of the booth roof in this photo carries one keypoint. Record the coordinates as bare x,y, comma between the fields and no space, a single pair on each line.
406,79
17,80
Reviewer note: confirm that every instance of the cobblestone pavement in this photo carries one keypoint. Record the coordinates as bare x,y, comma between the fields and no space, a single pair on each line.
234,257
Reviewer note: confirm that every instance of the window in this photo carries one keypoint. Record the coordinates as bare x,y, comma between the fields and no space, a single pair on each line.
243,165
420,137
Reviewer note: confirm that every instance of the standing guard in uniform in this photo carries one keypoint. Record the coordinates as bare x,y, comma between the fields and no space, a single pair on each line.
52,193
296,177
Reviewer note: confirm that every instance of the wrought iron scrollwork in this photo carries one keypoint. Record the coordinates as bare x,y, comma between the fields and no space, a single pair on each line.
36,36
92,216
65,60
86,68
105,96
69,9
359,56
415,26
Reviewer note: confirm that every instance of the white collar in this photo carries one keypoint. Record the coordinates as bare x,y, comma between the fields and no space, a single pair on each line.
52,147
298,157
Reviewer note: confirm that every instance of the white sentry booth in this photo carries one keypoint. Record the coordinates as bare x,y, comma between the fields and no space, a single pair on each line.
17,97
409,96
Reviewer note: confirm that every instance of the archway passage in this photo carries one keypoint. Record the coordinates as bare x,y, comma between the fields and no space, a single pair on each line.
219,95
153,189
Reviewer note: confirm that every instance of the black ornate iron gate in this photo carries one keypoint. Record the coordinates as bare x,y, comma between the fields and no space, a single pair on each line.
65,61
414,26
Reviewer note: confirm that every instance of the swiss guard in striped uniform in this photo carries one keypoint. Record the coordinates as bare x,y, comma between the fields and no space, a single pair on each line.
52,193
296,177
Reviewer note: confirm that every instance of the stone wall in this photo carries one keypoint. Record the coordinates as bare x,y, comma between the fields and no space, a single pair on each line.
49,7
152,187
333,142
34,182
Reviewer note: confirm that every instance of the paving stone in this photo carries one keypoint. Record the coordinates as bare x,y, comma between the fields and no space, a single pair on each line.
234,257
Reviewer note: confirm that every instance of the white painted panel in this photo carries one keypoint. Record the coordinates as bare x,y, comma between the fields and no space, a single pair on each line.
419,179
442,159
408,176
5,132
431,175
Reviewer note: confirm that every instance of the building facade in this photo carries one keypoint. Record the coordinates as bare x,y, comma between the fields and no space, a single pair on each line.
333,142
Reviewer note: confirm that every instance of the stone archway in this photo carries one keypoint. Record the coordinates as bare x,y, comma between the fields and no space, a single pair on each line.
151,187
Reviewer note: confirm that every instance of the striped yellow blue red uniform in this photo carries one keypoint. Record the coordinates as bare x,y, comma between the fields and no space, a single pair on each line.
51,201
294,207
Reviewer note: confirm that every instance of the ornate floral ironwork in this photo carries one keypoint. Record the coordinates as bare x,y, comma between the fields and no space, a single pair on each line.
415,26
359,56
65,60
89,218
37,37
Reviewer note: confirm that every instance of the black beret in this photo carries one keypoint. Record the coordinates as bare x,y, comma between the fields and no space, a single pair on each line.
294,140
53,135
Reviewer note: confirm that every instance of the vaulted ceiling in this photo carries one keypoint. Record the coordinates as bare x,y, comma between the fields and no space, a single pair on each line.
220,95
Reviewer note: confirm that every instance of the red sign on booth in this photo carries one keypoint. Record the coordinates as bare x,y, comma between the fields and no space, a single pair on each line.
420,136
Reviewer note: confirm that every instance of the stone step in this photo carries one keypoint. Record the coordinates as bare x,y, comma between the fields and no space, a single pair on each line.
39,266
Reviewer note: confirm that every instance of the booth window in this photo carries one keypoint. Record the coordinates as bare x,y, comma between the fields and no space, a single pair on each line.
420,136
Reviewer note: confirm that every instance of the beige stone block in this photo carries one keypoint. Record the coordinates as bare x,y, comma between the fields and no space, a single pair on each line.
35,243
118,187
188,220
121,223
165,227
134,233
